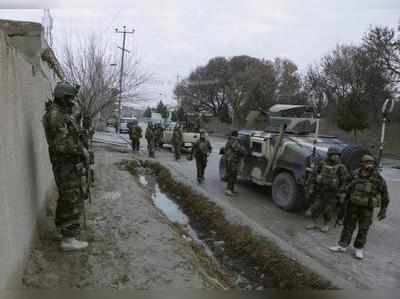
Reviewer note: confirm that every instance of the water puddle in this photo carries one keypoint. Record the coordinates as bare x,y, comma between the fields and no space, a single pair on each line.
171,210
143,181
168,207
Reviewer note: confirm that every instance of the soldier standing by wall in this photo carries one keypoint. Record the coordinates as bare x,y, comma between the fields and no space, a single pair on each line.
135,133
201,149
150,139
366,191
328,182
68,156
177,140
232,154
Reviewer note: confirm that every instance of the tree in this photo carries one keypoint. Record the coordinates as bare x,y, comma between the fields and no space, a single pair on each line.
147,113
383,44
174,116
162,109
224,115
288,81
87,62
351,116
181,116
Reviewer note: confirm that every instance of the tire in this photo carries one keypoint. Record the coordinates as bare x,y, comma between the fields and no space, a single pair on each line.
286,193
351,156
222,170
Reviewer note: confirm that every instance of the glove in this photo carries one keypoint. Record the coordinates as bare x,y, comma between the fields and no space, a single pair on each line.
382,214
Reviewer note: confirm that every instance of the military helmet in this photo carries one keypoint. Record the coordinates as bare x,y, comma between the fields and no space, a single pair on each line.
64,89
333,151
367,158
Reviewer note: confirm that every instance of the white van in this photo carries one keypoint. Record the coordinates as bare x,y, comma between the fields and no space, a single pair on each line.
124,123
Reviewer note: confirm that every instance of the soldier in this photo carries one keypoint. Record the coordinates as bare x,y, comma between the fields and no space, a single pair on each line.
138,134
135,133
177,140
68,157
366,191
201,149
327,182
233,152
160,133
150,139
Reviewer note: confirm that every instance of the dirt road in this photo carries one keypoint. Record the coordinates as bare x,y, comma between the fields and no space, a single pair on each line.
381,265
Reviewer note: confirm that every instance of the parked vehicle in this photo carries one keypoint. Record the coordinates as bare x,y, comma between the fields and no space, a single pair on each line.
189,138
126,122
280,156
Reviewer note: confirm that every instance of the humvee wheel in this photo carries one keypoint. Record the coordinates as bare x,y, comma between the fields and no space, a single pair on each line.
222,172
285,192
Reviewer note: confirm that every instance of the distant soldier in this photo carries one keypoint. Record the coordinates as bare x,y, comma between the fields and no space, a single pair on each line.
150,139
158,135
68,157
233,153
177,141
135,133
366,191
328,183
200,151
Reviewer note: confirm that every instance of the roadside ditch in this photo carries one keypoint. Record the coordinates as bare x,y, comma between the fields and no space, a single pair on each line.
240,258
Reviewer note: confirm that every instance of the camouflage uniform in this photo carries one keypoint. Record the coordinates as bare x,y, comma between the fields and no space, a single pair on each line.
327,182
68,157
364,194
201,149
177,140
150,140
159,135
135,133
233,152
88,138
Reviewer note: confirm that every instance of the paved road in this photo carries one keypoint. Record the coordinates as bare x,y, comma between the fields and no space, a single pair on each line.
381,266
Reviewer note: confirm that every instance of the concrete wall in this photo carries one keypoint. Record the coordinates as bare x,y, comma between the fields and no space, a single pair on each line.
26,82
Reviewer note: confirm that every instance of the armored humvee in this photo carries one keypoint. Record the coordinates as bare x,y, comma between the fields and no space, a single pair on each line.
282,155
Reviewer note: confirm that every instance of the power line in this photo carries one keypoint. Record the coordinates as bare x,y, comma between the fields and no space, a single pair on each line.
123,50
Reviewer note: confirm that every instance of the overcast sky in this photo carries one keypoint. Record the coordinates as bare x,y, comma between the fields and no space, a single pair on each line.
173,37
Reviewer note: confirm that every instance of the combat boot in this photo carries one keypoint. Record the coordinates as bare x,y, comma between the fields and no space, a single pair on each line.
325,228
359,253
72,244
338,248
312,225
228,192
308,213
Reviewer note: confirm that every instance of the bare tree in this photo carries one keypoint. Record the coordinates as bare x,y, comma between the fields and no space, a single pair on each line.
91,64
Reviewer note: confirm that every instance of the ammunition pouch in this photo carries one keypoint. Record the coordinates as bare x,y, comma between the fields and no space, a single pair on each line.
364,195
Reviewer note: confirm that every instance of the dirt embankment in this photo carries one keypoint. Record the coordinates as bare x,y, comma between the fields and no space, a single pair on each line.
238,250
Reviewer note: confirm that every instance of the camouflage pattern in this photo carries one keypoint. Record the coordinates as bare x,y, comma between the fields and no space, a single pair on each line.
371,186
200,151
68,157
232,155
159,131
150,139
326,183
177,142
135,133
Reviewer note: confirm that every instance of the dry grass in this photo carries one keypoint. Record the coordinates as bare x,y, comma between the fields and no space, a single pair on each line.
240,242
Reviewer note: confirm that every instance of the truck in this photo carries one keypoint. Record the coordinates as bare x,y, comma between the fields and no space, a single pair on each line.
283,155
189,137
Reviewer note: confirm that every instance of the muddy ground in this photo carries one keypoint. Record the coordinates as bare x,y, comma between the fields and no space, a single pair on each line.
132,244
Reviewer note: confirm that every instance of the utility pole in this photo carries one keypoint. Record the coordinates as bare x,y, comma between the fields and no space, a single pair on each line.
123,50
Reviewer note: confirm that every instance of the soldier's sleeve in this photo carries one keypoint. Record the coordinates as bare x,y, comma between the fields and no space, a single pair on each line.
63,141
344,178
382,188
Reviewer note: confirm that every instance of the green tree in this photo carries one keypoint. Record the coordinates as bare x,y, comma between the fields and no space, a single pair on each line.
162,109
181,116
174,116
351,116
147,113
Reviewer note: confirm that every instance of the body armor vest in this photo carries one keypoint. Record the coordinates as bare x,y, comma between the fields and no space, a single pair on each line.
328,176
365,194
